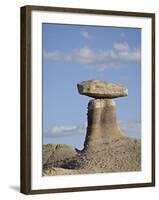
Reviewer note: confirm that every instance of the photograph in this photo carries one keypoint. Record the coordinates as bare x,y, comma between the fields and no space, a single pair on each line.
100,131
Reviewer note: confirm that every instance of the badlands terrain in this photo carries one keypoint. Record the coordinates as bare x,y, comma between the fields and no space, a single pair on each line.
106,147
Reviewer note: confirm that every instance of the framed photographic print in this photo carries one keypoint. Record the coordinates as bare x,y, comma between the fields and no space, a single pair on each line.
87,99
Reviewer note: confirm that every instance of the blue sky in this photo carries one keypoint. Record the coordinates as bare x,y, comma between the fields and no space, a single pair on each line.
72,54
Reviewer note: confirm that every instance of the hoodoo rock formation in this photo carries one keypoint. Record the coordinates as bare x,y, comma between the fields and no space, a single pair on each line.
106,147
102,122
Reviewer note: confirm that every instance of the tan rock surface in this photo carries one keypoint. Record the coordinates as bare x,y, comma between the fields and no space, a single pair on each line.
56,153
120,154
102,122
101,89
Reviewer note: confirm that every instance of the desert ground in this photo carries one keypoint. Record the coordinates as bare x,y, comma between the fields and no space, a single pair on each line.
120,154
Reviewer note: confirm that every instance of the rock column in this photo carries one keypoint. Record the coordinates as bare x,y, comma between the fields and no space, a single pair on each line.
101,117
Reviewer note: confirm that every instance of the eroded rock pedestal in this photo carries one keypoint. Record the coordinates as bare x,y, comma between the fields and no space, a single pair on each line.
101,117
102,122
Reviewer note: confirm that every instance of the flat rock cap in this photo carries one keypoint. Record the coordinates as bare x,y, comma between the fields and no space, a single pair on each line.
101,89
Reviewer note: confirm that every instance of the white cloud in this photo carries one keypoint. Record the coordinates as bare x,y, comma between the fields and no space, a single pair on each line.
59,131
57,56
130,126
83,55
122,46
86,34
117,56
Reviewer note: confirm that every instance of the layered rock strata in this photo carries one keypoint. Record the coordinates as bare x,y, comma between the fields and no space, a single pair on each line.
101,116
102,122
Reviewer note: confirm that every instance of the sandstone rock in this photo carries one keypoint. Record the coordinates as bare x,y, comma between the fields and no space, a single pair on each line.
102,122
53,153
101,89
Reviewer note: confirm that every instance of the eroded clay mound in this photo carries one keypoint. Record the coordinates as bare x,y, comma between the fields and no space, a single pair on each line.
56,153
120,154
113,155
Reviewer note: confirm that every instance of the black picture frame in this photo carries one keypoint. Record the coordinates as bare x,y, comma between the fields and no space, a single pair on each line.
25,182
